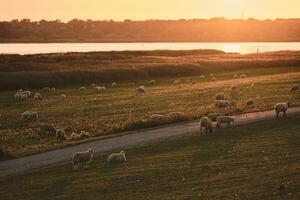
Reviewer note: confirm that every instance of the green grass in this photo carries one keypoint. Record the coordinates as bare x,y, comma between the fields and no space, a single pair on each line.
247,162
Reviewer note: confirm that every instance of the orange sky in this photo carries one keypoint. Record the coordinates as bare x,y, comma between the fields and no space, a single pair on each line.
147,9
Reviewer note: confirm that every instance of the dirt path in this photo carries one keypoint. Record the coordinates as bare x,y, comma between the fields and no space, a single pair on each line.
27,163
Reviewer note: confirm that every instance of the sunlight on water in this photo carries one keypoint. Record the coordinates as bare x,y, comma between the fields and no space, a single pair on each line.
243,48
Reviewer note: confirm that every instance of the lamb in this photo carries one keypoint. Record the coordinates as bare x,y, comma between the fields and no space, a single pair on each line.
224,120
221,104
114,84
62,97
141,89
152,82
60,135
47,128
294,88
46,89
206,123
281,107
220,96
250,102
82,88
117,158
243,76
83,157
213,116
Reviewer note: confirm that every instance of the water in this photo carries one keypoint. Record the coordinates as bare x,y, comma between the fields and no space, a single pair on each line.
243,48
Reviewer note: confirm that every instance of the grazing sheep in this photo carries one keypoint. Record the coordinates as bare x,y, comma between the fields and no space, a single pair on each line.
221,104
75,136
82,88
206,123
141,89
60,135
100,88
213,78
224,120
46,89
281,107
194,82
213,116
24,115
294,88
114,84
17,96
117,158
37,96
152,82
29,116
62,97
250,102
202,77
243,76
27,93
220,96
156,118
83,157
24,97
235,76
177,81
47,128
188,81
92,85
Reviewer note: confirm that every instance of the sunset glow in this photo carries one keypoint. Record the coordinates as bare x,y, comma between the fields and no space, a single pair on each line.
145,9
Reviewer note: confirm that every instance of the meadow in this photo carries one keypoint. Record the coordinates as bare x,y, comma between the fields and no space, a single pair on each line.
120,109
258,161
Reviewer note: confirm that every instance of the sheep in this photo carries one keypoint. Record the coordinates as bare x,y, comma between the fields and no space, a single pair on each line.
27,93
92,85
281,107
220,96
141,89
202,77
213,78
213,116
83,157
206,123
60,135
156,118
177,81
17,96
100,88
114,84
250,102
24,115
224,120
221,104
53,89
152,82
46,89
194,82
82,88
243,76
211,75
24,97
132,83
75,136
32,116
47,128
294,88
235,76
188,81
37,96
62,97
117,158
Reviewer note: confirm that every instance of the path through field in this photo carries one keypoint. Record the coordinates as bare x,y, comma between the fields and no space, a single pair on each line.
11,167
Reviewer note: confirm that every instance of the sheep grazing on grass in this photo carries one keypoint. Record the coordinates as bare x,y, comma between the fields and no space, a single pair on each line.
92,85
152,82
243,76
213,78
47,128
115,158
37,96
224,120
177,81
213,116
46,89
188,81
60,135
29,116
24,115
294,88
220,96
235,76
75,136
100,88
207,124
202,77
141,89
27,93
250,102
221,104
114,84
194,82
156,118
281,107
84,157
62,97
82,88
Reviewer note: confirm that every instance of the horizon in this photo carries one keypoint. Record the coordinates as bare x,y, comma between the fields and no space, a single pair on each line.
141,10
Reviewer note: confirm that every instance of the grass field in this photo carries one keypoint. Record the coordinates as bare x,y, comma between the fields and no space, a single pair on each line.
259,161
120,109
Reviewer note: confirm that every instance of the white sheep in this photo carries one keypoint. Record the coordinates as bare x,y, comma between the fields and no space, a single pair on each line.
37,96
281,107
220,96
213,78
82,88
156,118
83,157
117,158
224,120
114,84
194,82
188,81
141,89
152,82
53,89
206,123
243,76
202,77
213,116
29,116
60,135
100,88
25,114
27,93
62,97
92,85
177,81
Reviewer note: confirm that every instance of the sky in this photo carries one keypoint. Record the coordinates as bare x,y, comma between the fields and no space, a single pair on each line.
119,10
